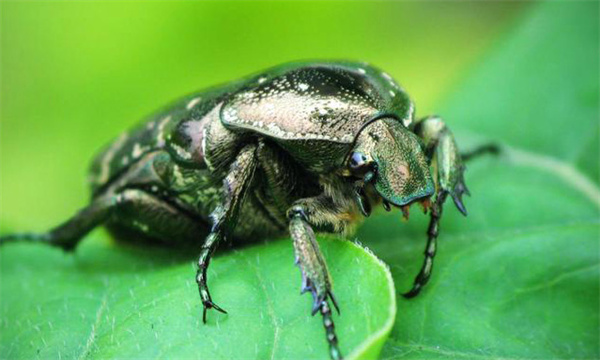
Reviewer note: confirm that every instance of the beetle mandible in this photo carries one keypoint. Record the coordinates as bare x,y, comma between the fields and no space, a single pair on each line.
301,147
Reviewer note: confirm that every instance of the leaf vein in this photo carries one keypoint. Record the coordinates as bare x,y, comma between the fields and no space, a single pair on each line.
563,170
269,303
92,338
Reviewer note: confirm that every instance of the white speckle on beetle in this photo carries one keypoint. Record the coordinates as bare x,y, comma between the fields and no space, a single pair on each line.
180,180
193,103
411,114
141,226
181,152
362,71
249,95
303,86
108,157
154,188
161,129
262,79
137,151
347,138
392,94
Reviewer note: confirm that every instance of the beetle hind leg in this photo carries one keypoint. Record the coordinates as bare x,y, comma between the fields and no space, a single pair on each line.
68,234
129,208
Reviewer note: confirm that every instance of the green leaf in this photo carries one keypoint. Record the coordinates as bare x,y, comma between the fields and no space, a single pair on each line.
65,93
519,278
127,302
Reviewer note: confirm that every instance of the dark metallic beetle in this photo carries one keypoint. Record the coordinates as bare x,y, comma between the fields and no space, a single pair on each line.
301,147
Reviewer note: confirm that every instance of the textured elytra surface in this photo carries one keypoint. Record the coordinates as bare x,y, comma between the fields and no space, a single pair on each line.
316,102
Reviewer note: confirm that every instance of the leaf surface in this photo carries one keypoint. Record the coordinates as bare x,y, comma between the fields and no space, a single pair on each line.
126,302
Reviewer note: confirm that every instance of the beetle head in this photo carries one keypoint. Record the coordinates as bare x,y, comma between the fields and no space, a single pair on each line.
390,157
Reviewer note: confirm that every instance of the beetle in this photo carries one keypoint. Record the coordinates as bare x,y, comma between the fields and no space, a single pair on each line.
298,148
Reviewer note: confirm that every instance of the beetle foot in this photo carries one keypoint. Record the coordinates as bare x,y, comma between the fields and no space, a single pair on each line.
66,244
319,302
416,289
318,298
457,193
208,304
334,349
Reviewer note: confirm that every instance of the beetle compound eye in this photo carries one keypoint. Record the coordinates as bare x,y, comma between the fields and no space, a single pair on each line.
359,164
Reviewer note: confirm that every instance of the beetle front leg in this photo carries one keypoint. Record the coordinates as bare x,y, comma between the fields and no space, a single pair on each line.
431,247
315,275
235,186
445,159
448,174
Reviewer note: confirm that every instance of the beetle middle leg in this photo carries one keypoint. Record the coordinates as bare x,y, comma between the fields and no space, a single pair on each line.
224,217
431,247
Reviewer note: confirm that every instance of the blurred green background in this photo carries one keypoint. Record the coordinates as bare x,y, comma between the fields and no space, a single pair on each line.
76,74
519,278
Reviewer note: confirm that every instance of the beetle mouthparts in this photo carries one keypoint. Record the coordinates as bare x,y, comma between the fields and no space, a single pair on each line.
405,212
425,204
386,205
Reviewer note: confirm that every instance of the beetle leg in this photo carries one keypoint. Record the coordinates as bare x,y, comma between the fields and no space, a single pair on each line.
431,247
69,233
315,276
280,174
491,148
436,210
445,158
224,217
132,208
448,174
